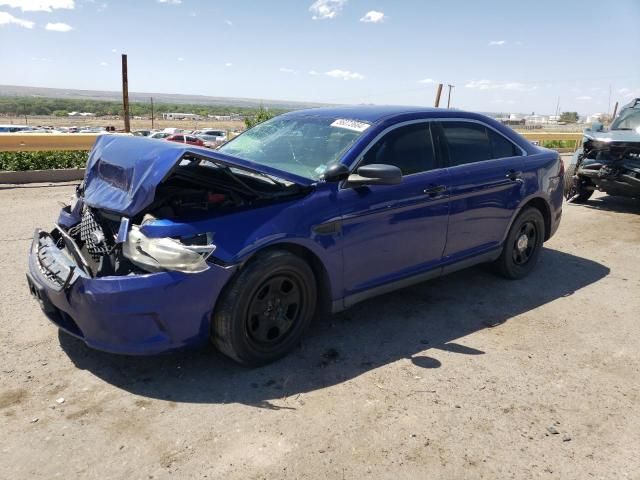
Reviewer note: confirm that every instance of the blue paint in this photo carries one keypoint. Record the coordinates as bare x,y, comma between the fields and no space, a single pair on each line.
385,233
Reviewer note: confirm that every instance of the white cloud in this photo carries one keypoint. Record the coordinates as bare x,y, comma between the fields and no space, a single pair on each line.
498,43
8,19
623,91
58,27
287,70
103,64
228,64
491,85
584,97
228,22
180,59
113,50
170,2
427,81
344,74
38,5
313,72
326,9
373,16
518,42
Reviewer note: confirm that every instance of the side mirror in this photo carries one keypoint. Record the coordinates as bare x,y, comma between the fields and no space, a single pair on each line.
375,174
597,127
336,173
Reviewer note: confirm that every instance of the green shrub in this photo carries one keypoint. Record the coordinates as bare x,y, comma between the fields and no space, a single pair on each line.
20,161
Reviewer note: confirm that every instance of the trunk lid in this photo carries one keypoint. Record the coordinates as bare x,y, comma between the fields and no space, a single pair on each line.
123,171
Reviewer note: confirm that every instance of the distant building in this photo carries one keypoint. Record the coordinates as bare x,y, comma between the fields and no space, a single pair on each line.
598,117
536,119
181,116
81,114
226,118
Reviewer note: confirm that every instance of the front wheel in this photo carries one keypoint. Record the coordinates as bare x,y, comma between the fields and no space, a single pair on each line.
576,189
523,245
263,313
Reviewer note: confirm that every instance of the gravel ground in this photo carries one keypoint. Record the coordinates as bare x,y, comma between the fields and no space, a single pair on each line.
468,376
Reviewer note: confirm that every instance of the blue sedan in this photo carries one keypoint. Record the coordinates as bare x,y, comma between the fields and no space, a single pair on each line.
166,245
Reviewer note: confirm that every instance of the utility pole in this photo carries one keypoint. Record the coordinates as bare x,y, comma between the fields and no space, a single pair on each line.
125,94
151,113
24,110
615,110
438,93
449,96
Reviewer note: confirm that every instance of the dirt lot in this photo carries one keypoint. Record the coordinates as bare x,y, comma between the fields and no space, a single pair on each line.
469,376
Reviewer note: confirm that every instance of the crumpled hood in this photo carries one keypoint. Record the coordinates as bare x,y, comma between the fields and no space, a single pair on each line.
124,171
623,136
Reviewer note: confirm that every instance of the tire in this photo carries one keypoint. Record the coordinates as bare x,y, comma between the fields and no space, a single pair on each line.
574,189
262,314
519,256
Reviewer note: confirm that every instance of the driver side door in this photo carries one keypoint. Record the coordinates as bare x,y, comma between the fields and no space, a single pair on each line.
391,232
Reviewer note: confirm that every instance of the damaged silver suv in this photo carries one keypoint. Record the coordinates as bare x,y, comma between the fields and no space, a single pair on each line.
609,160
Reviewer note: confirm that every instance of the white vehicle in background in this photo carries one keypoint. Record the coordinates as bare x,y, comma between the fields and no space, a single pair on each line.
13,128
220,135
212,137
159,135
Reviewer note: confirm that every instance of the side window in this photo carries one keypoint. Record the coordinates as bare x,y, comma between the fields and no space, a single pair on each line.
501,147
467,142
179,138
409,148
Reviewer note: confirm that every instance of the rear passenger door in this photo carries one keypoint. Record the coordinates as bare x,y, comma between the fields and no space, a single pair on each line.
485,185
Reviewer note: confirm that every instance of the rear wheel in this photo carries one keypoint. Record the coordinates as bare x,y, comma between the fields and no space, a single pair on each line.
575,189
523,245
265,310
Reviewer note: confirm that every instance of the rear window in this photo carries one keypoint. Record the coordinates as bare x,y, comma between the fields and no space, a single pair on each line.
470,142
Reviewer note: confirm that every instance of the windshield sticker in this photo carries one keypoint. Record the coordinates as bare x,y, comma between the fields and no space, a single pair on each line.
353,125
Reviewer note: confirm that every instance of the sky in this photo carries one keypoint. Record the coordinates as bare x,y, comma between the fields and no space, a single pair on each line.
501,56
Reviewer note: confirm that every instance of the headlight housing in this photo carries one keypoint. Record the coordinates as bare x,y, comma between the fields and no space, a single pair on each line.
154,254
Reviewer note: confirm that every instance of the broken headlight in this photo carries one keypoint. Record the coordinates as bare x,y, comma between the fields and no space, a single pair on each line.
165,253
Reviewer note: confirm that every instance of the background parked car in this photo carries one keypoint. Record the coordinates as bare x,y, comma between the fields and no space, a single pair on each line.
188,139
159,135
220,135
210,141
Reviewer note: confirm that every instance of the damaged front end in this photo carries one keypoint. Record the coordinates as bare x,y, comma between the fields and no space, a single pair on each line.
138,239
609,161
611,167
110,219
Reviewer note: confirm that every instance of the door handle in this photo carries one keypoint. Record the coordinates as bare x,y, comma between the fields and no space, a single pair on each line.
514,175
433,190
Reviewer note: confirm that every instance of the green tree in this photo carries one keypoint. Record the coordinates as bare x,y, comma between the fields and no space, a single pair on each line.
569,117
262,115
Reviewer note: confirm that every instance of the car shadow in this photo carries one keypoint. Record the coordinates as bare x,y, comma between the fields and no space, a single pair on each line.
613,204
406,324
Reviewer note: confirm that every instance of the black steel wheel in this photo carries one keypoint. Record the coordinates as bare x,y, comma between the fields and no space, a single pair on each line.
263,312
523,245
274,309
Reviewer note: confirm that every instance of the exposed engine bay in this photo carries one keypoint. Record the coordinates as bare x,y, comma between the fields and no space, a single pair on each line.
196,189
611,168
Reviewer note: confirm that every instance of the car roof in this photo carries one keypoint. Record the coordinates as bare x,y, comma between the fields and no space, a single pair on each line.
367,113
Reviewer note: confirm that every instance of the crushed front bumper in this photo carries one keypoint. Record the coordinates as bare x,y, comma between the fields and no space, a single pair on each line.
133,314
